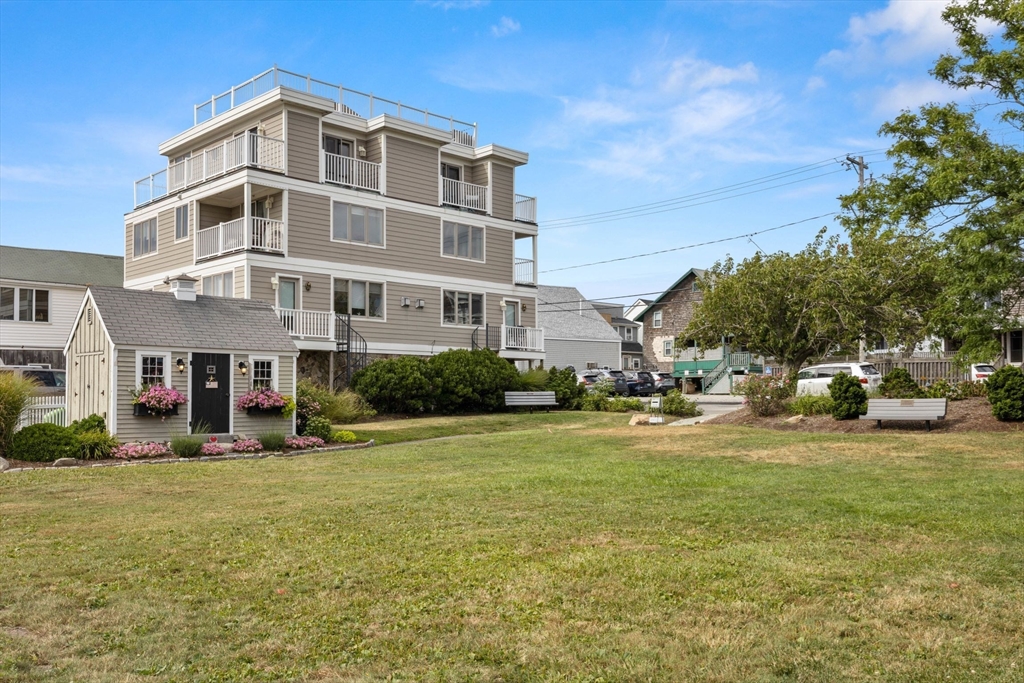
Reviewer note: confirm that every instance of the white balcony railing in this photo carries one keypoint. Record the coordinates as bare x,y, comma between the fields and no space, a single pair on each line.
263,234
525,274
464,195
522,338
308,324
250,149
526,209
364,175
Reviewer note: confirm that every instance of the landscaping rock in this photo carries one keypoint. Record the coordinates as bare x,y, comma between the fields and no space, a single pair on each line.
4,465
639,419
65,462
795,419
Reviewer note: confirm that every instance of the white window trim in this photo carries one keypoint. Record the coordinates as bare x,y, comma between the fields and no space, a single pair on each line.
656,319
298,290
188,225
629,333
465,258
167,366
466,326
383,225
461,167
148,253
519,311
275,369
230,271
666,350
361,318
17,306
339,136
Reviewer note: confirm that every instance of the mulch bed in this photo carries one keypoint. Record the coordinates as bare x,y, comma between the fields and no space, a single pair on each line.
969,415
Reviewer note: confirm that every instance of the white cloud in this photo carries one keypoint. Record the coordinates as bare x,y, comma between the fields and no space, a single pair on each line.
504,27
696,74
596,111
898,33
814,83
453,4
912,94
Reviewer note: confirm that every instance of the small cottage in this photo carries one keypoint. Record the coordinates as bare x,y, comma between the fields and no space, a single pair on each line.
207,351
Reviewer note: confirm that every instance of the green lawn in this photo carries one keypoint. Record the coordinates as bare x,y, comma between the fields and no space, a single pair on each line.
594,553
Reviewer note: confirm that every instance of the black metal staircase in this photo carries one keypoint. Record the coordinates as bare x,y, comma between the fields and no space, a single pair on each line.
352,345
491,338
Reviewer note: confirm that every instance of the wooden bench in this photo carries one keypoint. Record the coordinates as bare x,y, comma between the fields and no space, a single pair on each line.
926,409
529,399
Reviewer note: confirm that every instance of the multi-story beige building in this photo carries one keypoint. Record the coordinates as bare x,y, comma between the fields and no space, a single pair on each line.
373,227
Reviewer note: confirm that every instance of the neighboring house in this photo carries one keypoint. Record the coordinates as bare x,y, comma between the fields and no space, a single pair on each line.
1013,339
373,228
628,331
665,318
574,332
634,311
41,291
212,349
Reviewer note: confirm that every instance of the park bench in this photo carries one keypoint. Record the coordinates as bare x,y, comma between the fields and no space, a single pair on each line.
529,399
926,409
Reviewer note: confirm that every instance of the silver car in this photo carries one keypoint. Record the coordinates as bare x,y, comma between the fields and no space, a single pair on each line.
49,381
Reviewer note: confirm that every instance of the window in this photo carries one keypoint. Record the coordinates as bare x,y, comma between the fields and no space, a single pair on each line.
33,305
359,224
668,348
1016,346
463,308
262,374
451,171
363,299
145,238
181,222
691,344
694,287
636,363
462,241
656,319
629,334
221,284
339,146
152,370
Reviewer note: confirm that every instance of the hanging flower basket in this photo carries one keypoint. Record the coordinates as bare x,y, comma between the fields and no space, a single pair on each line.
140,410
265,402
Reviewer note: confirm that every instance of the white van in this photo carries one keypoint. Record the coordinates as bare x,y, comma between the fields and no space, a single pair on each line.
815,379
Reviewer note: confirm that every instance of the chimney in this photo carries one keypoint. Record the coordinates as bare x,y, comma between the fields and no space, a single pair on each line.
183,287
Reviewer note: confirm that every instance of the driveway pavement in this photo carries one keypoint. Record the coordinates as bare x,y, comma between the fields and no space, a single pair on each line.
713,405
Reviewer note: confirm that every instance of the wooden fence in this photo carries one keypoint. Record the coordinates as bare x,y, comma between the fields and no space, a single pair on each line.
50,409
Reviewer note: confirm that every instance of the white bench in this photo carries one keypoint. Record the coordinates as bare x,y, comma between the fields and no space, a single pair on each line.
542,399
926,409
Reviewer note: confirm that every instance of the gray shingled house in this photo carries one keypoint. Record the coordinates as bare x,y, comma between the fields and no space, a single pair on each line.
212,349
575,333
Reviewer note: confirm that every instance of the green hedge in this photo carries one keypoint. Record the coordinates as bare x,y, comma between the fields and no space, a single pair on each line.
1006,393
849,398
44,443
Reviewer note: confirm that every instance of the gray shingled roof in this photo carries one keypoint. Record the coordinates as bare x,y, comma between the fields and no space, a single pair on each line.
136,317
632,347
564,313
61,267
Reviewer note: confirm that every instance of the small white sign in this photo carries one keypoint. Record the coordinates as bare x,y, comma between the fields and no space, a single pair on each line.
212,384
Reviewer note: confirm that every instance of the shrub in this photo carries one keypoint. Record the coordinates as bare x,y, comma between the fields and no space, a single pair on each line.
272,441
96,445
471,381
187,445
343,436
44,443
314,400
674,403
308,402
600,400
569,391
246,446
969,389
1006,393
623,404
140,450
319,427
14,394
810,405
212,449
396,385
899,384
534,379
766,394
849,398
348,407
93,423
940,388
304,442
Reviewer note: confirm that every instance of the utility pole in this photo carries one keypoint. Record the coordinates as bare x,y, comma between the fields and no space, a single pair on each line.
861,167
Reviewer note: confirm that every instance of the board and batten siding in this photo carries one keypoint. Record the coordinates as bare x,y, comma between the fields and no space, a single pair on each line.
251,426
88,364
149,428
413,243
578,352
303,146
64,305
413,172
169,255
502,192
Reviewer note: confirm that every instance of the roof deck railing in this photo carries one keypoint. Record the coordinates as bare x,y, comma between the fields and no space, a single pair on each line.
346,101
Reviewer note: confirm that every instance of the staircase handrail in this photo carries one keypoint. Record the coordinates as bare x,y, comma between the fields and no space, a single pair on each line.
716,374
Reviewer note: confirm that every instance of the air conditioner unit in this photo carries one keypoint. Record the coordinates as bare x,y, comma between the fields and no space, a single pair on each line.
405,302
420,303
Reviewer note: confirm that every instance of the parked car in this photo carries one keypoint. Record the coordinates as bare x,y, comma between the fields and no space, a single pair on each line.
815,379
981,371
617,377
49,381
664,382
588,379
640,383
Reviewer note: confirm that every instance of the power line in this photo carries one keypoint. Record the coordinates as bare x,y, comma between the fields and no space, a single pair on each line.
691,246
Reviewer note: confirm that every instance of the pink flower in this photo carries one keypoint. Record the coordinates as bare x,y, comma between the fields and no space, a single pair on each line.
159,397
212,449
247,446
303,442
261,398
140,450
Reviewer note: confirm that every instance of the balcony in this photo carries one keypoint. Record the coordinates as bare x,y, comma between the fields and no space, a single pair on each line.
464,195
263,234
509,338
257,151
308,324
356,173
526,209
525,273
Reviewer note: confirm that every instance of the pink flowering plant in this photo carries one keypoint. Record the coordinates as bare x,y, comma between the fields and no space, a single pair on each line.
766,394
247,446
303,442
266,398
212,449
132,451
158,398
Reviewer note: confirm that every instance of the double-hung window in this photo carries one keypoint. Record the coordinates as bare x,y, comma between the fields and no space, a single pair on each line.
358,224
181,222
145,238
656,319
668,348
462,241
152,370
462,308
221,284
629,334
361,299
262,373
25,304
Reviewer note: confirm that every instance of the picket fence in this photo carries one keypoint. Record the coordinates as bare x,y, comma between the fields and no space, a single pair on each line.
51,409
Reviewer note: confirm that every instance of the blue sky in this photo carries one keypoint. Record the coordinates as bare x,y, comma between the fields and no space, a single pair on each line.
618,104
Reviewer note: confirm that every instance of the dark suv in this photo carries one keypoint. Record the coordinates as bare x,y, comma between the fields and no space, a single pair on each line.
640,383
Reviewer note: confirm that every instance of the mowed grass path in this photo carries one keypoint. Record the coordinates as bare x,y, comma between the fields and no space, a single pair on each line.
601,553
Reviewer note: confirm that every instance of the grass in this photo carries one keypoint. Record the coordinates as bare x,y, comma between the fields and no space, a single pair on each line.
596,553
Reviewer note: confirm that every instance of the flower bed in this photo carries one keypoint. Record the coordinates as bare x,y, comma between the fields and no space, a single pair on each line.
131,451
247,446
212,449
303,442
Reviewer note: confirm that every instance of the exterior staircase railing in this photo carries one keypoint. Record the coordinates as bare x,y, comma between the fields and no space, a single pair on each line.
716,374
490,339
352,344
